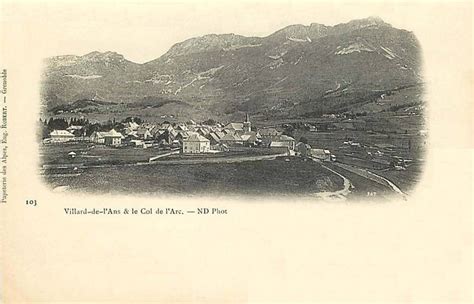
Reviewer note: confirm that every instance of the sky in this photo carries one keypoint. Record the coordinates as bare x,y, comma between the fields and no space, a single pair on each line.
144,30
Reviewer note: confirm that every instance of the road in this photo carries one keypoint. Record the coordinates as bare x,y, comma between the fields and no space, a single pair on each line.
175,151
231,159
371,182
339,194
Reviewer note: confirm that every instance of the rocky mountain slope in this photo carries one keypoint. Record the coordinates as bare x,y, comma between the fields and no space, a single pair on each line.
296,71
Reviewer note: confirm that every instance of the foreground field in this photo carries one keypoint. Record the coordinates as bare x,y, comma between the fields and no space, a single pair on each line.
88,154
282,176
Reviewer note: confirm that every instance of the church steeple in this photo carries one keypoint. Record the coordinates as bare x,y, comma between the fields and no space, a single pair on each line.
247,124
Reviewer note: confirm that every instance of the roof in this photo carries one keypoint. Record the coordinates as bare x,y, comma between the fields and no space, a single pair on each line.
133,134
133,125
286,138
214,136
143,131
174,133
61,133
166,126
252,133
182,127
128,130
220,134
250,136
99,134
235,126
246,137
320,152
203,131
196,138
278,144
112,133
231,137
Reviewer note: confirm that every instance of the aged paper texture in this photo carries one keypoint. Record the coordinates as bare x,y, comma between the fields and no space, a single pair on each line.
222,151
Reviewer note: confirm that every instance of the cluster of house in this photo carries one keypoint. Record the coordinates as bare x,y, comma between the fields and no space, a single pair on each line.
190,137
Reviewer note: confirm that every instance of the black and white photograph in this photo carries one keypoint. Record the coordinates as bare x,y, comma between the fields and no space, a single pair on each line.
251,151
324,111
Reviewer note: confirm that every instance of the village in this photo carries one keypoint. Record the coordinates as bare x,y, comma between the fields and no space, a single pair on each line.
331,152
188,138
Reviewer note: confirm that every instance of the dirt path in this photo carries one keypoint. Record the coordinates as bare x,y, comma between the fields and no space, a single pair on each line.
371,176
338,194
231,159
392,185
163,155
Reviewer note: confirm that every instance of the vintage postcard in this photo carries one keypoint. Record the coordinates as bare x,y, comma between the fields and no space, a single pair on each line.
259,151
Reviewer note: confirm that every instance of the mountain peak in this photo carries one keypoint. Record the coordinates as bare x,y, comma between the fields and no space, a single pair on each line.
301,32
375,19
210,42
108,56
362,23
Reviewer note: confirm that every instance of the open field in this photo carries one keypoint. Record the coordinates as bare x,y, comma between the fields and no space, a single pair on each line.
90,154
283,176
405,180
235,152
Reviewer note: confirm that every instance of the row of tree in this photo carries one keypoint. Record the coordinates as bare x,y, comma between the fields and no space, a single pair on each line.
54,123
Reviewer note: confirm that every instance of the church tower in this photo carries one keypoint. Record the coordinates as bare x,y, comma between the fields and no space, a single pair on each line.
247,124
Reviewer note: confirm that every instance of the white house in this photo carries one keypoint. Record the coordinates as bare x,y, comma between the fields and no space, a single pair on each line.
98,137
283,141
113,138
61,136
196,143
321,154
144,133
235,127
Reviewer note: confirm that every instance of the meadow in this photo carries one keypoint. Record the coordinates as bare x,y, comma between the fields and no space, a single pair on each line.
282,176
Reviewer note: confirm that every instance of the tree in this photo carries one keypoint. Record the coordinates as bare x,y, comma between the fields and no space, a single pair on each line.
57,124
209,122
304,140
137,120
91,128
289,130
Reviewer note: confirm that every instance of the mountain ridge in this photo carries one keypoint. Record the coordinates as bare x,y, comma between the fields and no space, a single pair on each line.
372,20
222,74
